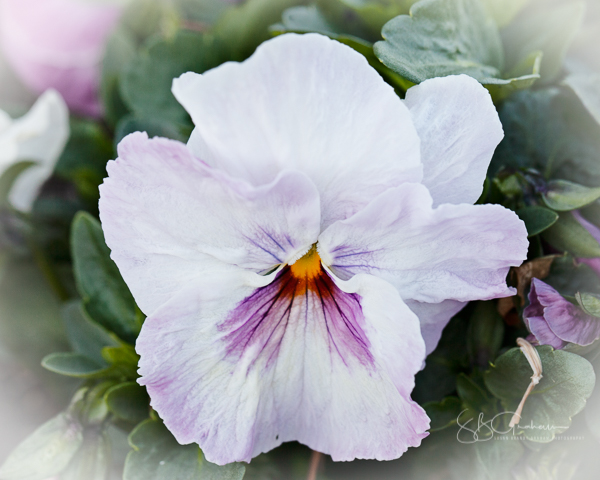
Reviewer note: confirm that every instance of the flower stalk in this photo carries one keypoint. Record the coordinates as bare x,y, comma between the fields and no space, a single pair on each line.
315,461
535,362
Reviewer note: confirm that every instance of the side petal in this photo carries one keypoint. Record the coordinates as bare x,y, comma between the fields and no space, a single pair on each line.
452,252
169,218
239,369
459,130
433,318
308,103
40,135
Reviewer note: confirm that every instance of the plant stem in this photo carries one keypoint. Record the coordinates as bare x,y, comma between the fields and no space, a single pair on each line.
315,460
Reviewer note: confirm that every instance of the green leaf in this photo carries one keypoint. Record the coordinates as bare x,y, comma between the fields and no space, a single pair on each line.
551,131
85,336
146,83
569,276
119,52
473,394
563,195
589,302
587,89
304,19
124,359
443,414
548,29
231,471
154,127
520,77
244,27
509,186
143,18
139,20
442,37
560,461
568,381
46,452
8,179
124,354
592,412
362,18
203,12
537,219
449,37
30,323
128,401
73,364
438,379
83,161
485,333
568,235
105,295
156,455
496,460
504,11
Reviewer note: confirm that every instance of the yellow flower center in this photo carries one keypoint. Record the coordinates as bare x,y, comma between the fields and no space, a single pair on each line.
307,267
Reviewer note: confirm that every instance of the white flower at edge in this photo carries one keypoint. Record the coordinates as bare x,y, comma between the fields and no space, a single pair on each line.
299,254
39,136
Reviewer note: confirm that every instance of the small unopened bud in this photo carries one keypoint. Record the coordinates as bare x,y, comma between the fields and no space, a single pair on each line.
533,357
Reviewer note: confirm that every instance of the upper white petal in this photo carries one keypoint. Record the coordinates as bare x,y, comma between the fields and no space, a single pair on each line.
459,130
308,103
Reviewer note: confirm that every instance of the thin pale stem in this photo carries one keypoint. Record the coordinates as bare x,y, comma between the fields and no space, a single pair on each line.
535,363
315,460
517,416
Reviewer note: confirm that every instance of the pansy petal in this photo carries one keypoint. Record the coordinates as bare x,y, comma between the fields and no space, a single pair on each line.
565,321
39,136
308,103
58,44
453,252
168,218
543,333
433,318
240,369
593,263
459,130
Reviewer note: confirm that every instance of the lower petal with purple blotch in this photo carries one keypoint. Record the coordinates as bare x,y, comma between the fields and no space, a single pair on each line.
239,367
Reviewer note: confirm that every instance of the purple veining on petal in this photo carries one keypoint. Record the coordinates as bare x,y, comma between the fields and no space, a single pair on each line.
266,250
273,239
259,323
347,270
271,243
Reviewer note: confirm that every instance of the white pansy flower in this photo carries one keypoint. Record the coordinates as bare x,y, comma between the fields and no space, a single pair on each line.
39,136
